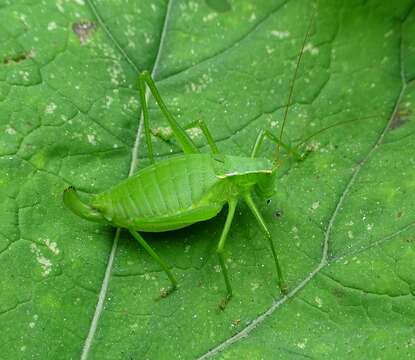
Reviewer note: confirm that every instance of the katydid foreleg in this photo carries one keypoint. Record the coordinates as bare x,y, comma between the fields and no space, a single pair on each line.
264,133
248,199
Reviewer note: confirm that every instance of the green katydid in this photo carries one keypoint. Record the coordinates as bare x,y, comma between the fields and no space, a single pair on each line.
155,200
179,191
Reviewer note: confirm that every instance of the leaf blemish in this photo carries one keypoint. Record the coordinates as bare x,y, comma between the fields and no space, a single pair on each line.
311,49
50,108
16,58
278,213
32,324
318,301
92,139
52,26
84,30
302,344
194,132
315,205
10,131
401,117
280,34
43,261
52,246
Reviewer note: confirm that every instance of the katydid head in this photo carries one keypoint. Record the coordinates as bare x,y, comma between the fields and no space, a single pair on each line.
247,174
265,186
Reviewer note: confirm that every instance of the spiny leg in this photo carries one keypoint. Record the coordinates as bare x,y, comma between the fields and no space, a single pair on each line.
281,283
219,250
161,262
184,140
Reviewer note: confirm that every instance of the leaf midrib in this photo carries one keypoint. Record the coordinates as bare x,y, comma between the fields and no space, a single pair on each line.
133,164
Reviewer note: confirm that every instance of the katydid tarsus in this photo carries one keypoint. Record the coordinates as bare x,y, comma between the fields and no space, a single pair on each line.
179,191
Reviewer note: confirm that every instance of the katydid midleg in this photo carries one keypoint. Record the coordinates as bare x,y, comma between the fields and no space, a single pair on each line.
179,191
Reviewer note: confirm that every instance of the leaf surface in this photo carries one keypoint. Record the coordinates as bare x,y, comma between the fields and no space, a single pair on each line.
343,219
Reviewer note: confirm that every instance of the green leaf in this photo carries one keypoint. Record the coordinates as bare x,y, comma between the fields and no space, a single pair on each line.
343,219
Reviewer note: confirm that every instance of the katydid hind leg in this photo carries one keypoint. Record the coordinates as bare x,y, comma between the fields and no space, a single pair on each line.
184,139
281,282
220,248
159,260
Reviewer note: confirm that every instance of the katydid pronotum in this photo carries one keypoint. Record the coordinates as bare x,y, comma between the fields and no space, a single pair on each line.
179,191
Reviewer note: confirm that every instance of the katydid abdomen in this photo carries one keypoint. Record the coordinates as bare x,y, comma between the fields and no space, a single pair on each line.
168,195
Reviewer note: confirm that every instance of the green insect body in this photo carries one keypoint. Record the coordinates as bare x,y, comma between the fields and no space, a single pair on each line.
179,191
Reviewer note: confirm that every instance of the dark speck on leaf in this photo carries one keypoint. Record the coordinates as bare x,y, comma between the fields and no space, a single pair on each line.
268,201
219,6
278,213
400,118
339,293
16,58
83,30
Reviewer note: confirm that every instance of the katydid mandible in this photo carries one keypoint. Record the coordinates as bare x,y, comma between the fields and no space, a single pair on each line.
179,191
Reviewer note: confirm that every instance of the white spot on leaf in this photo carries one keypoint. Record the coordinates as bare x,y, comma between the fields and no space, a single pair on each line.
52,246
315,205
194,132
280,34
91,139
52,26
43,261
210,17
50,108
9,130
311,49
318,301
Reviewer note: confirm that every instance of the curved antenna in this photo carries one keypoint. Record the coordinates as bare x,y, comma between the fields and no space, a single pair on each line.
332,126
290,95
300,157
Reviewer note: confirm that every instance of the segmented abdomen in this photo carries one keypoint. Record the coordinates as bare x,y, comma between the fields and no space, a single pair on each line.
169,192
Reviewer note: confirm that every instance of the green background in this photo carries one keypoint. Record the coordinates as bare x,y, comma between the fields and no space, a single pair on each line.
69,115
